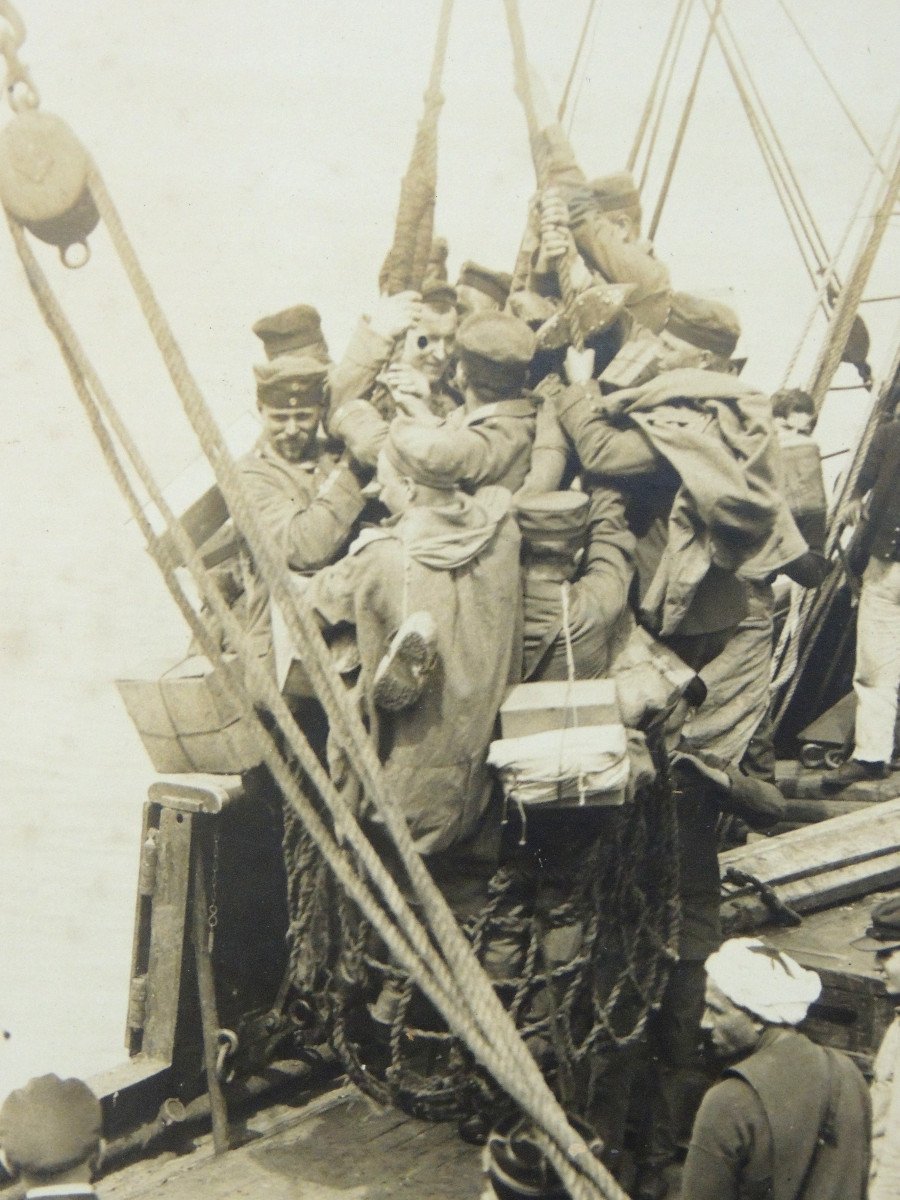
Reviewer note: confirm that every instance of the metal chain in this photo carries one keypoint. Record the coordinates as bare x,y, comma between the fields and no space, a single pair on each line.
212,916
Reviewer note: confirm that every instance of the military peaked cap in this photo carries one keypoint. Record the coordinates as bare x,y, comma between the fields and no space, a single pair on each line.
494,284
706,324
291,381
496,350
553,519
615,192
50,1125
292,330
438,293
883,933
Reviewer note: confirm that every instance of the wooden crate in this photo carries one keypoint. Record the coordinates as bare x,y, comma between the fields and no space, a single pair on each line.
539,707
186,719
853,1010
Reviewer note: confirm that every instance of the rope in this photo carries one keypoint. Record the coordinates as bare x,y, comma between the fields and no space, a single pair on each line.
670,75
774,168
683,124
857,128
407,259
782,165
442,987
680,12
507,1059
523,90
828,279
570,684
564,99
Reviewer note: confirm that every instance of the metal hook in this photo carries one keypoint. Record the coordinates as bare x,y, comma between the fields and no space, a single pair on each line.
228,1044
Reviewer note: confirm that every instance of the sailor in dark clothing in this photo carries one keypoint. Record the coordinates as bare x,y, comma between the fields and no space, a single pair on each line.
703,787
789,1118
50,1136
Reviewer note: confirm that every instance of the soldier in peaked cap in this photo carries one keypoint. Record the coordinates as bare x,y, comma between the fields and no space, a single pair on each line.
494,429
308,498
479,289
578,545
883,937
499,421
50,1136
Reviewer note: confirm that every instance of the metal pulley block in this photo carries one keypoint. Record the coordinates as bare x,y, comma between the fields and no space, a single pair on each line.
44,182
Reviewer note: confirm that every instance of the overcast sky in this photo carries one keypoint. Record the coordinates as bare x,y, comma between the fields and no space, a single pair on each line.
255,153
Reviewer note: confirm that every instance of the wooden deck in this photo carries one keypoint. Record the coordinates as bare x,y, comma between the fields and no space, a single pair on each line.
337,1146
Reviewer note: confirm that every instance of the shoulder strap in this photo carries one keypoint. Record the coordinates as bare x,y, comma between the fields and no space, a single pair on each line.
828,1128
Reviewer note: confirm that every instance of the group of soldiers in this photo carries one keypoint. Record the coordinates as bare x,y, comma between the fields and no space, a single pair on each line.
523,478
510,479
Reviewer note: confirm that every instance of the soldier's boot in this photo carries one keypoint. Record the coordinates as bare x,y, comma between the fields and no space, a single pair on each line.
403,672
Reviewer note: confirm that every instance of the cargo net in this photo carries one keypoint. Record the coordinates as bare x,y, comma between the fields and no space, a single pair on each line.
579,953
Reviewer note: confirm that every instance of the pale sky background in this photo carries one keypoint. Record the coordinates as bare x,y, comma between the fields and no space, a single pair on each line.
255,153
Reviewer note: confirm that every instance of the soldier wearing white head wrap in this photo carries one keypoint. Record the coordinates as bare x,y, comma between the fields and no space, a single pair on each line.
789,1119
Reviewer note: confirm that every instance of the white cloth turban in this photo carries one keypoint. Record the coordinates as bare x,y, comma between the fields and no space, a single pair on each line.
765,982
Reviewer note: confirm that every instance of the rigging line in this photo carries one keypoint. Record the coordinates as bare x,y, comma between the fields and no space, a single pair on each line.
779,182
588,58
564,99
660,112
828,276
654,87
808,258
857,128
115,443
683,124
586,1178
584,1175
802,204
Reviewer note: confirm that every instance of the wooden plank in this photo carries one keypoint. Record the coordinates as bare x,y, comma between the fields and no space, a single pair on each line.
808,893
198,793
874,830
167,933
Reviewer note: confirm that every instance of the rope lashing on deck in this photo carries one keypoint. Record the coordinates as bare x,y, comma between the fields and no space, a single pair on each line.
407,259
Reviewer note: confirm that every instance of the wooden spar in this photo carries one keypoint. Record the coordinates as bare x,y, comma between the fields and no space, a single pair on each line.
848,302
